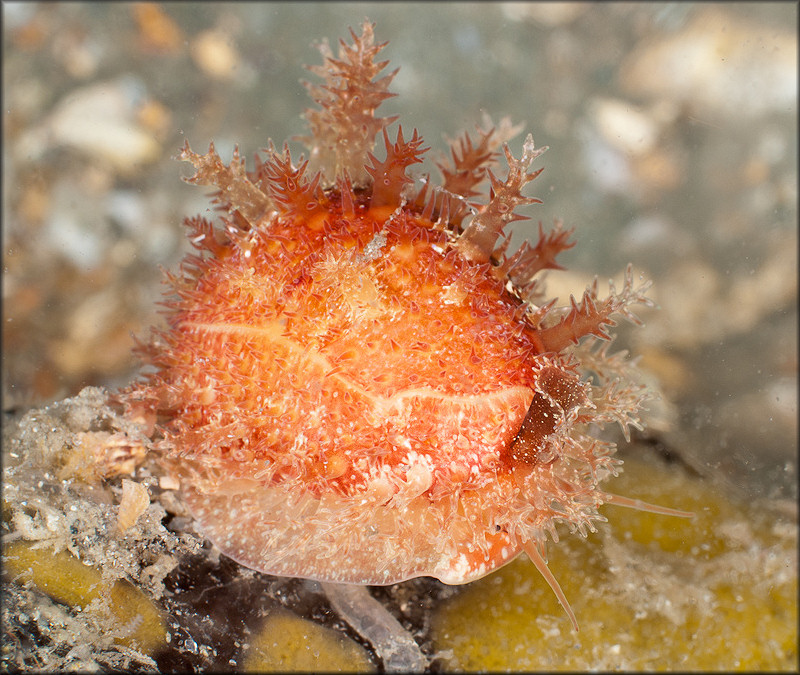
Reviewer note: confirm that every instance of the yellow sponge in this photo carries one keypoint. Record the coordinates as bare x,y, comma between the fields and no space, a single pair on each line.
718,591
125,611
289,643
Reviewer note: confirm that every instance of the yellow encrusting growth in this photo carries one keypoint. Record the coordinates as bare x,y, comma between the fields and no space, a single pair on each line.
123,611
287,643
714,593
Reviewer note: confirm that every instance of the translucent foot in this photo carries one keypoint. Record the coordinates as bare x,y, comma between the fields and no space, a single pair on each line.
392,643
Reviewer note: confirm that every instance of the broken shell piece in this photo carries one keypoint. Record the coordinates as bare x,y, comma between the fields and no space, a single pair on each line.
135,500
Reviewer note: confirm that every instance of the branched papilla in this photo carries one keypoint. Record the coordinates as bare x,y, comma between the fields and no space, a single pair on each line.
389,175
616,396
619,401
288,185
470,162
478,240
202,236
596,357
443,208
522,267
236,193
591,316
343,130
447,205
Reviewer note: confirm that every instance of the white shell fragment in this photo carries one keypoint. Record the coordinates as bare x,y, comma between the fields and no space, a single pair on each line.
135,500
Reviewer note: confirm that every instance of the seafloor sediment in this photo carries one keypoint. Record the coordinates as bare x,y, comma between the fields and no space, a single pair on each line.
649,591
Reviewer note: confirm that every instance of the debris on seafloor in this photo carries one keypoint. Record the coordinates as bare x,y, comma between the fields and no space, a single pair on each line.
80,589
399,652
